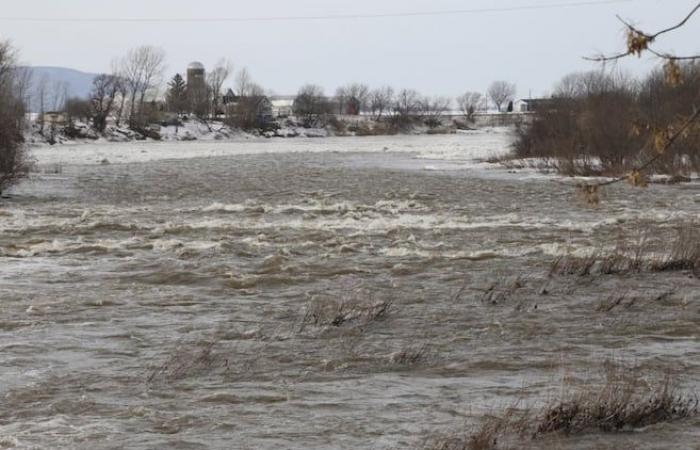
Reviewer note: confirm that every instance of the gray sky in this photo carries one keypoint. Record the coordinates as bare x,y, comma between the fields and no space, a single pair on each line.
441,55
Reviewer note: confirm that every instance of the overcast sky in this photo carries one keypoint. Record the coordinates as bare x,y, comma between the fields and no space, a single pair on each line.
440,55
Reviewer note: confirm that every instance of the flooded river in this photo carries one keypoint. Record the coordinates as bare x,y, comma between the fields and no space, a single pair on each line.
177,296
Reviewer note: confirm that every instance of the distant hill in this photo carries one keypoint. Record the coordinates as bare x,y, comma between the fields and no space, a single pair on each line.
78,84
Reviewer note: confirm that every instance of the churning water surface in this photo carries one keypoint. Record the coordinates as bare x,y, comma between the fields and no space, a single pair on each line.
173,298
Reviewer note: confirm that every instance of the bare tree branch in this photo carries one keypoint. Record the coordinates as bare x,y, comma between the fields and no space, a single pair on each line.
639,41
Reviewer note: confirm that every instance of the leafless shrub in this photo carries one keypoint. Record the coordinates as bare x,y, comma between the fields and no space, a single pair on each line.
339,127
501,290
494,433
336,312
588,193
186,362
616,300
544,165
597,123
405,109
433,109
624,401
311,105
610,264
409,356
568,265
683,253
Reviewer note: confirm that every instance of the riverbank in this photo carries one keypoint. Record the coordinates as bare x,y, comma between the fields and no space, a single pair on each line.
200,130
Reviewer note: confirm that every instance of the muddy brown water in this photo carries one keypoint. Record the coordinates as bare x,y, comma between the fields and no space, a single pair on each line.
162,304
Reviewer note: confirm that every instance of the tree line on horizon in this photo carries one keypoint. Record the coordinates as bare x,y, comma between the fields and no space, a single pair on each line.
132,94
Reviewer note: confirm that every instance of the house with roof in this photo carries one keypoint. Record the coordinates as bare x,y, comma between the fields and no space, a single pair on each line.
531,105
282,105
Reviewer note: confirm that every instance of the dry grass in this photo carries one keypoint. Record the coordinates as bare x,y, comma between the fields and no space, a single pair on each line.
336,312
542,165
616,300
681,253
494,433
684,253
622,401
501,290
409,356
571,265
625,401
186,362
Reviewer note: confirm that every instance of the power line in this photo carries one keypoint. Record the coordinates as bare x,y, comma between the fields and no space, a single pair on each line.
313,18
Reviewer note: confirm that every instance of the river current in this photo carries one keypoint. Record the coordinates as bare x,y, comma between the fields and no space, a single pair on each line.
176,295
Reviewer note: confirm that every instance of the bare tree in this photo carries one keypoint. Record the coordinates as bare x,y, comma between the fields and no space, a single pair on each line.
42,90
352,98
216,79
470,103
122,91
380,101
59,94
12,109
23,82
407,102
406,107
251,111
358,94
433,109
142,70
501,92
78,108
311,104
582,84
102,98
243,83
341,99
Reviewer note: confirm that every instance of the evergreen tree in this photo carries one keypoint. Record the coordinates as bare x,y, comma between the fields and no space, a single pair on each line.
177,94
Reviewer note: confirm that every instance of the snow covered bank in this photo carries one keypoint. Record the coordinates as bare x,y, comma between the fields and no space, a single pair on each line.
192,130
445,151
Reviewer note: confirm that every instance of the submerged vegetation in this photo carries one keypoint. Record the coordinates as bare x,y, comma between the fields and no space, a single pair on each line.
336,312
623,400
681,253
